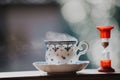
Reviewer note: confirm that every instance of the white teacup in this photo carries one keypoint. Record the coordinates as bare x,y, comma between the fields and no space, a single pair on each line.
64,52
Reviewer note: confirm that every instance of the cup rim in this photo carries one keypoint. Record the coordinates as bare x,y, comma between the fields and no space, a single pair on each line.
63,41
60,41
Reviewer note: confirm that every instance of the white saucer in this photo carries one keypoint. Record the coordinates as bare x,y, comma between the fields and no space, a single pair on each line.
53,68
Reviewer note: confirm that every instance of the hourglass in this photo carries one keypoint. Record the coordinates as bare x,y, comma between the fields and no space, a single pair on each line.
105,62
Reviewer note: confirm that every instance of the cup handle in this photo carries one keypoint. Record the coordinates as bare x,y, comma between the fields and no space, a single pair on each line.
81,49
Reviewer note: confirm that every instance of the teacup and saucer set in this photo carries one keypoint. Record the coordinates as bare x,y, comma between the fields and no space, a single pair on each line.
63,56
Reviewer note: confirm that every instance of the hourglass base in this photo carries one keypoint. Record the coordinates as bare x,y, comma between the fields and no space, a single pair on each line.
107,69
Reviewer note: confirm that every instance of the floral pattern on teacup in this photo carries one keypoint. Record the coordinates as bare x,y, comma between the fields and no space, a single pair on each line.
62,52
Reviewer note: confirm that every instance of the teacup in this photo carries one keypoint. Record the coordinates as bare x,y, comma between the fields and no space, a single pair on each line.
64,52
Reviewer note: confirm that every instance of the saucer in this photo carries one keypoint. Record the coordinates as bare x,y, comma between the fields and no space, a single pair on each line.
62,68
